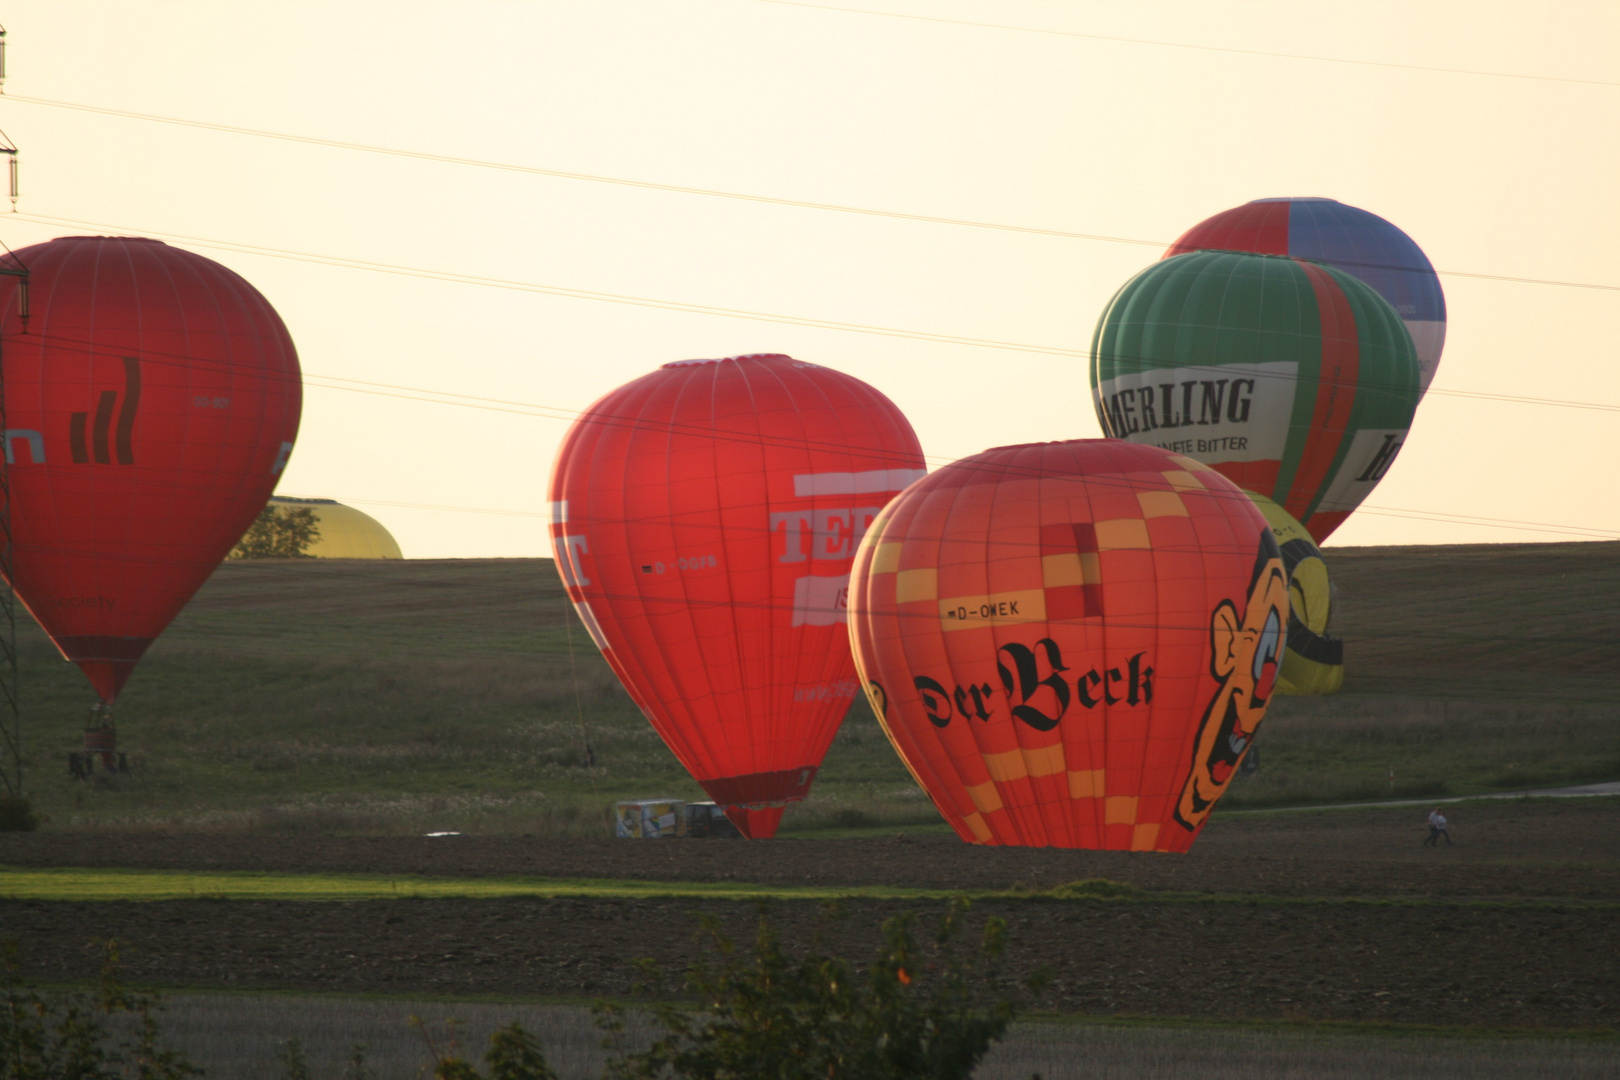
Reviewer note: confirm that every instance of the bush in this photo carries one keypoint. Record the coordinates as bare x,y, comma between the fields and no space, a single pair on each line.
513,1054
65,1037
914,1012
17,814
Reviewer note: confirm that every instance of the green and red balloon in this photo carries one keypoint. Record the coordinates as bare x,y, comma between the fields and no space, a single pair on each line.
1293,379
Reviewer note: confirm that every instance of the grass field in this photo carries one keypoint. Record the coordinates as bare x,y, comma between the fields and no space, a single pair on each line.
76,883
422,695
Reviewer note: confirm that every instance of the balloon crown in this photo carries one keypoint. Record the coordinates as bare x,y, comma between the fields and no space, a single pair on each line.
729,359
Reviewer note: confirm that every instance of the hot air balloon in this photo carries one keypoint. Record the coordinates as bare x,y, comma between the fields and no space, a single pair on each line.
345,533
152,400
1071,644
704,518
1293,379
1313,663
1360,243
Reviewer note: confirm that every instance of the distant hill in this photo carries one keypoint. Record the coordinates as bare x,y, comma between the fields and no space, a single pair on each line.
365,695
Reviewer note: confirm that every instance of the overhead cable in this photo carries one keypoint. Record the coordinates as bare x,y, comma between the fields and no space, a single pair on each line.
715,193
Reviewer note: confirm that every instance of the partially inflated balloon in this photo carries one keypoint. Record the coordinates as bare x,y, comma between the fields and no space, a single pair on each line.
704,519
152,400
1071,644
1347,238
1314,660
1293,379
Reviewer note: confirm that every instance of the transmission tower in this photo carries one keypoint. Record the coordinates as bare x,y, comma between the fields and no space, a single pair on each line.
11,756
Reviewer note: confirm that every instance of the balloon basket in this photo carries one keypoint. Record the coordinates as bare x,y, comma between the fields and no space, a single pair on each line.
100,747
708,819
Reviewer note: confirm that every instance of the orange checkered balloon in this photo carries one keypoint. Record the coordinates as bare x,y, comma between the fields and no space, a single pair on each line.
1071,644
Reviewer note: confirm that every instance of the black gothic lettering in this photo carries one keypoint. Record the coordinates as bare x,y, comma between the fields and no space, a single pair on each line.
1028,685
936,703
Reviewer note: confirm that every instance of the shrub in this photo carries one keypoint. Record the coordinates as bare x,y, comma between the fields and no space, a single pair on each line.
17,814
915,1012
513,1054
64,1036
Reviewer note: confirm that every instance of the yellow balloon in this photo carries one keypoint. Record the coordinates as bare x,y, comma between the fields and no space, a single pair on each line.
346,533
1313,662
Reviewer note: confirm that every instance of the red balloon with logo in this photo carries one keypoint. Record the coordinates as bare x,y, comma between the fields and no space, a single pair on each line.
1071,644
152,399
704,517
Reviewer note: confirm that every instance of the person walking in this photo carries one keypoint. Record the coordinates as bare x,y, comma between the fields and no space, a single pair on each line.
1437,829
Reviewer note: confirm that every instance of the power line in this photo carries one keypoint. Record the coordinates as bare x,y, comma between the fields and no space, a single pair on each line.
1198,48
443,397
718,194
1579,531
701,309
558,290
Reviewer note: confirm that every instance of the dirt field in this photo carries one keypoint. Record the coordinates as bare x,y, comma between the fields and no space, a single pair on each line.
1544,848
1517,926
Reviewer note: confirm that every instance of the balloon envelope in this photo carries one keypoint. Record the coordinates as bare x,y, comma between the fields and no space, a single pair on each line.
1071,644
152,401
1346,238
1293,379
704,519
1313,663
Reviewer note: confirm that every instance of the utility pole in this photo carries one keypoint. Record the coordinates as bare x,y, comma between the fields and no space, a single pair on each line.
11,757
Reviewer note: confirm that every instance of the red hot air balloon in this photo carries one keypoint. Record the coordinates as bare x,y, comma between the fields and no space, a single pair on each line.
152,400
704,519
1071,644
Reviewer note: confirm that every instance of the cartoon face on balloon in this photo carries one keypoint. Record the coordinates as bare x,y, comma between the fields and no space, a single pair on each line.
1246,649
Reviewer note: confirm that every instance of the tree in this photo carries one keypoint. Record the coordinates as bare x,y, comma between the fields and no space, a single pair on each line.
279,532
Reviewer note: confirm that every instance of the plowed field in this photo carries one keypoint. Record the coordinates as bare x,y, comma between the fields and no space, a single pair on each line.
1330,915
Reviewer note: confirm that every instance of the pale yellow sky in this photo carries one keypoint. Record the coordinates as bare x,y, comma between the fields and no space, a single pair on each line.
1486,134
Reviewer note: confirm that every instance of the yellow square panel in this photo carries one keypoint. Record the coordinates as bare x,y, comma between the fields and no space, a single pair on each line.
1007,766
912,585
976,825
1045,761
1064,569
1183,481
1085,783
1144,837
1119,810
1157,504
988,799
1017,764
886,560
1122,533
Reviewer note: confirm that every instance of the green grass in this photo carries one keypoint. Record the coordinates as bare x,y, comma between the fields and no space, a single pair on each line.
79,884
338,696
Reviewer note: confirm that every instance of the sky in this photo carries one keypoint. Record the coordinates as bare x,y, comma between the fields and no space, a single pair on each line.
478,218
